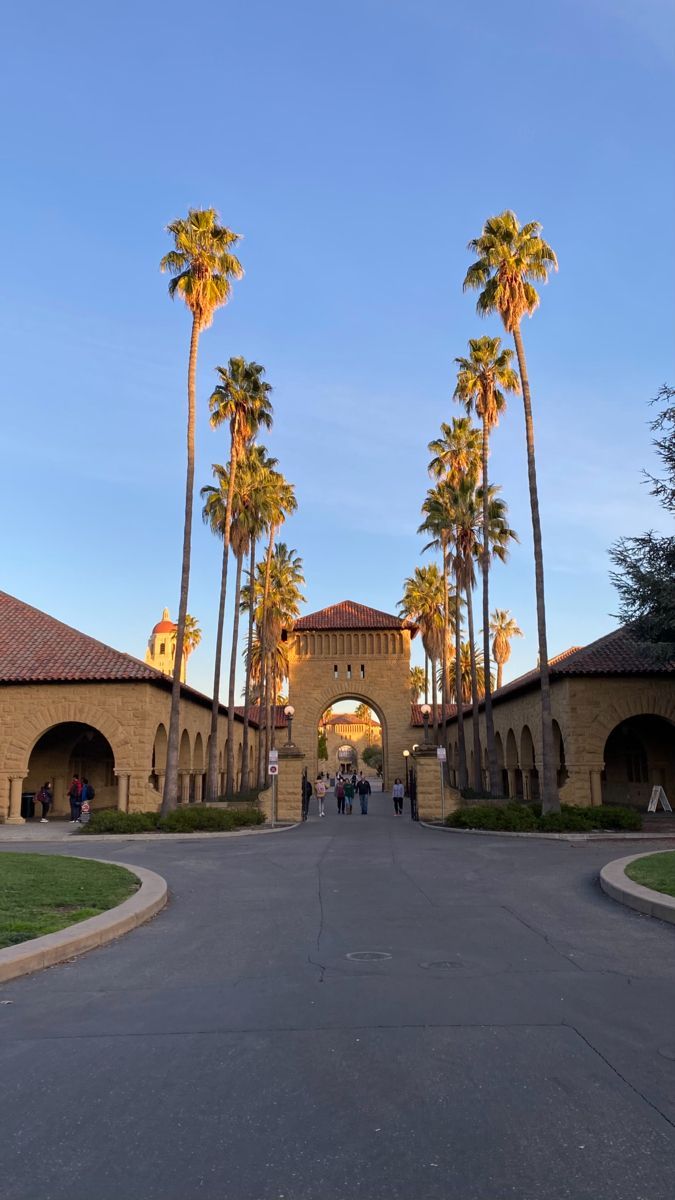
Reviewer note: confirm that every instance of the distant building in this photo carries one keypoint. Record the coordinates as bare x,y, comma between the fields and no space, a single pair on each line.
161,650
347,736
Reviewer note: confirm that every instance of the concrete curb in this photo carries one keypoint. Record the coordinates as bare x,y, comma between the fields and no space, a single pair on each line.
84,839
607,835
96,931
615,882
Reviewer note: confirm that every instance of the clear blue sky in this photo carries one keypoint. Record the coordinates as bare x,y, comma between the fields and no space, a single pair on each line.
357,146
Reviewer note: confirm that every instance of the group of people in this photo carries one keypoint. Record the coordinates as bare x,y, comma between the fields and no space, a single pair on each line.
347,788
80,792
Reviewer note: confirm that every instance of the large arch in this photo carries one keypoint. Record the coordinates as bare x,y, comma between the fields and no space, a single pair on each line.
66,749
639,754
16,751
311,717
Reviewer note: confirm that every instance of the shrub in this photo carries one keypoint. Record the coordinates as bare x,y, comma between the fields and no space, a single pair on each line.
112,821
492,816
527,818
181,820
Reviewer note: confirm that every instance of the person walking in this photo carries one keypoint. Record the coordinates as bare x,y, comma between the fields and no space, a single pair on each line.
45,796
306,797
363,789
397,796
340,795
74,796
321,793
349,796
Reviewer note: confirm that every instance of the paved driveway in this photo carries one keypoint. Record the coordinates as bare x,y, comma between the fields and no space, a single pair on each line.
518,1040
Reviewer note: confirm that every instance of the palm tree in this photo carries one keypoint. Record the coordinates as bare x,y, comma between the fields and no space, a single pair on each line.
191,638
504,627
281,503
510,257
465,672
362,711
438,522
417,682
480,379
260,512
422,603
242,400
202,267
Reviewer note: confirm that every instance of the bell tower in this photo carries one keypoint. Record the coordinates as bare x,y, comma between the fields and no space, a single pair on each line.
160,653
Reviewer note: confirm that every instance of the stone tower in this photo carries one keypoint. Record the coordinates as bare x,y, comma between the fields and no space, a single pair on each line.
161,646
351,652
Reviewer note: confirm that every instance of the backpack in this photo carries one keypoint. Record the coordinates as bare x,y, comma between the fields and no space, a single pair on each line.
90,792
339,792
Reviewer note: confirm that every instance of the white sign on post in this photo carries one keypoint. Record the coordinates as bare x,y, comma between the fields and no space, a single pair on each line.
657,797
273,769
441,754
273,756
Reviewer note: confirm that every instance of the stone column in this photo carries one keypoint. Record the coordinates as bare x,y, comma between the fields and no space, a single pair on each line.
513,785
183,787
122,791
527,783
15,785
596,786
289,784
432,805
198,789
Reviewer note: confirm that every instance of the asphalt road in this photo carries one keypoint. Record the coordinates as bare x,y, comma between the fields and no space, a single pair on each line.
517,1041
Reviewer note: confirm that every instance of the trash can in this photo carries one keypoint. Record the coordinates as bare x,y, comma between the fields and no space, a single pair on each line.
28,805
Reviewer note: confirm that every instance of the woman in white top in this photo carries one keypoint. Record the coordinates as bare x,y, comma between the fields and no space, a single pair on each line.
397,793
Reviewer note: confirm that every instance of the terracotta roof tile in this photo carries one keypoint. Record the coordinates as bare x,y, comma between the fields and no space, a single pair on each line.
350,615
417,720
36,648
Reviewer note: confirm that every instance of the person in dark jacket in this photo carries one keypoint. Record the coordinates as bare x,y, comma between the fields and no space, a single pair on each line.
75,798
45,796
363,789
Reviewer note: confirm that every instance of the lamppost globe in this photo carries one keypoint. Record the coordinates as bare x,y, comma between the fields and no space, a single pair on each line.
425,709
289,713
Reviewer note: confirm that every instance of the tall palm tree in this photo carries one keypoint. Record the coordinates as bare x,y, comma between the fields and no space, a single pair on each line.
480,380
417,682
202,266
456,459
511,258
422,603
437,522
465,672
282,502
191,638
240,399
260,512
504,627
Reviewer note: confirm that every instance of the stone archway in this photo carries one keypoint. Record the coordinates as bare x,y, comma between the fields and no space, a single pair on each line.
309,738
639,754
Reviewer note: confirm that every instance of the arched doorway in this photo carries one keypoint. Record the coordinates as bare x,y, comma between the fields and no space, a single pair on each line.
639,754
351,737
67,749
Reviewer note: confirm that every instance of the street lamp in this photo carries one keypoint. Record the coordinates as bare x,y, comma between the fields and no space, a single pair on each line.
425,710
406,755
289,713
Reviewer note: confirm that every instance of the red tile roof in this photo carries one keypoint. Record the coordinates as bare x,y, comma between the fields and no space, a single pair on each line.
36,648
350,615
280,719
417,720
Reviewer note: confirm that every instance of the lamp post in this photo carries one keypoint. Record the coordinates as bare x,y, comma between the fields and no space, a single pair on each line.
406,755
425,710
289,713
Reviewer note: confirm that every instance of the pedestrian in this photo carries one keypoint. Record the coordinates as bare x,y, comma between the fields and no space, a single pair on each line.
306,797
321,794
340,796
45,796
363,789
349,797
87,794
74,796
397,796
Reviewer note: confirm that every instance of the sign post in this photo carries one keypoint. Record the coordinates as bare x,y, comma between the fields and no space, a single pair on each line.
273,770
441,755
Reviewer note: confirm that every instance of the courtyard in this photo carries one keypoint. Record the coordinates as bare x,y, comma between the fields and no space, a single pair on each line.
515,1037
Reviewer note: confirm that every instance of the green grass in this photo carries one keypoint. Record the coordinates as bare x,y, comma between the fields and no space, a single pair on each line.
657,872
41,893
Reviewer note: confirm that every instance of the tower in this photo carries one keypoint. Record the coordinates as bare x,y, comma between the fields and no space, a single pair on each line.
161,646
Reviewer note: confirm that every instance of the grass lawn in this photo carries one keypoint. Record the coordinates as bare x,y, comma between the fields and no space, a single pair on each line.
41,893
657,872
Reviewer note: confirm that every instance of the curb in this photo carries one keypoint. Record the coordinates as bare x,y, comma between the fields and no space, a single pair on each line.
95,931
607,835
85,838
615,883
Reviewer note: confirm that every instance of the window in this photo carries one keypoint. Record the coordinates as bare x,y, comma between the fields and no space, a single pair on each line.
162,647
349,670
335,671
363,671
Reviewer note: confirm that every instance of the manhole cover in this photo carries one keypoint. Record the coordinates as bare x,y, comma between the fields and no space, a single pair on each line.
368,955
441,964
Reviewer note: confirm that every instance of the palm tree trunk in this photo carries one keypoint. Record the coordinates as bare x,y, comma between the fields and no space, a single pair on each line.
262,767
444,656
231,780
170,796
426,677
212,770
245,774
268,709
434,696
550,800
461,744
500,672
275,693
495,776
477,783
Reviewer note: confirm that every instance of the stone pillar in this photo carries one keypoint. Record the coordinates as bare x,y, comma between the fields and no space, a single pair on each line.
15,785
183,787
198,789
432,804
122,791
527,783
583,785
513,785
289,784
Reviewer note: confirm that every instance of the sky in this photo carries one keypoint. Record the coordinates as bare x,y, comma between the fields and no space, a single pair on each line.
357,147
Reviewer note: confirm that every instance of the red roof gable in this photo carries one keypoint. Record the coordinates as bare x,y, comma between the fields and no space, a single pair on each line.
36,648
350,615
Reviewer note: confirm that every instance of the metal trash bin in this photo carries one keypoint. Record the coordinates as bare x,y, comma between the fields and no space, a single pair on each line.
28,805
